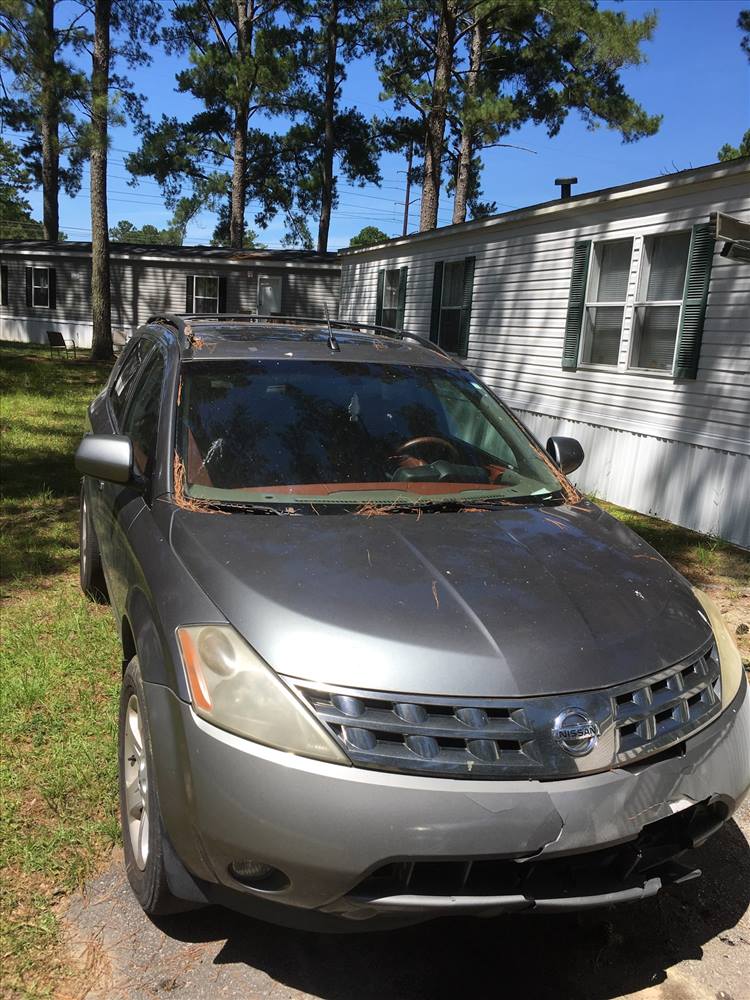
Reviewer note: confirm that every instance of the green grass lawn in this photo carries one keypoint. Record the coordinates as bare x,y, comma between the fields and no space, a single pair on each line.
60,662
60,670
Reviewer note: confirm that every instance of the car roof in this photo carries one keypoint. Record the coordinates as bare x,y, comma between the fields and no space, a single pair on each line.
234,337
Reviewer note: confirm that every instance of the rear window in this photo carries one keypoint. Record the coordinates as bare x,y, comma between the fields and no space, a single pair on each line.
331,431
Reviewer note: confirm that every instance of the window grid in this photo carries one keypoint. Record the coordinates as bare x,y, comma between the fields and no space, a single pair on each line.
606,302
40,287
205,293
658,302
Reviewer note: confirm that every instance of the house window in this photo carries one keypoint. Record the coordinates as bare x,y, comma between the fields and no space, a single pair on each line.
269,295
41,288
452,291
3,284
391,299
206,296
605,302
659,300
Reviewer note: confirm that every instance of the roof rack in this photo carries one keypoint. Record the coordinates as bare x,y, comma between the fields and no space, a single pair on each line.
179,322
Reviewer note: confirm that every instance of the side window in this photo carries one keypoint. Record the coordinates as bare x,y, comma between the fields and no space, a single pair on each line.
657,308
126,373
605,302
452,290
269,295
141,421
391,297
41,287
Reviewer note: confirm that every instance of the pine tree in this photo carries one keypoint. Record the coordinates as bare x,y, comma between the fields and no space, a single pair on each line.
242,63
39,86
123,30
333,33
474,70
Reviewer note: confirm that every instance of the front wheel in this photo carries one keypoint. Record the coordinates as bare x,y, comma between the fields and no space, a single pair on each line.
91,573
143,834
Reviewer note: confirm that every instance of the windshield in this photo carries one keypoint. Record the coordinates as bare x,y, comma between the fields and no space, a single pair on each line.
347,432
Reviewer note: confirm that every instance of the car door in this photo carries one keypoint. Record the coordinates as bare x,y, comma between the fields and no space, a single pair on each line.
107,419
140,422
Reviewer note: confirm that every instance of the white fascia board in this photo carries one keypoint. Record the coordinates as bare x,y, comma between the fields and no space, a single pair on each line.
114,257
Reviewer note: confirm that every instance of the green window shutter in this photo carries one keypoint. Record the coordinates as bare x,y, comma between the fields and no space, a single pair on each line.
402,277
29,292
189,293
52,279
576,300
379,298
437,294
697,280
4,284
222,293
463,340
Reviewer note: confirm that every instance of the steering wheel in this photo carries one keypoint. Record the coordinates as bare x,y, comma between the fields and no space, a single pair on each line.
416,442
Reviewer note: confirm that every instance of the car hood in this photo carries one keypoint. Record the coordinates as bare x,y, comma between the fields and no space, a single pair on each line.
517,601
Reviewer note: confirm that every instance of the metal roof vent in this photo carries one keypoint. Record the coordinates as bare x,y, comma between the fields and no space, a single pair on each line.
565,184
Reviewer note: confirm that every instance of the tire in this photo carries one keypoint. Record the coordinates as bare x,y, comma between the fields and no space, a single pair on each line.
90,569
143,836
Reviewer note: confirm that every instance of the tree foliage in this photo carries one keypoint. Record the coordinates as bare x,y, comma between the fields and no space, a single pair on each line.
368,236
126,232
332,34
39,88
241,67
473,71
727,151
16,179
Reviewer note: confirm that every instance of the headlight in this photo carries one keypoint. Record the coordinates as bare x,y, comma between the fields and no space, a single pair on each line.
732,671
234,689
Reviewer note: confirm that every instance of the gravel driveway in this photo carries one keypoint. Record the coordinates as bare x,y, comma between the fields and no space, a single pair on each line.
690,943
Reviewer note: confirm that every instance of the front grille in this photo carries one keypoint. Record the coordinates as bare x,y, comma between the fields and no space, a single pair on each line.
513,738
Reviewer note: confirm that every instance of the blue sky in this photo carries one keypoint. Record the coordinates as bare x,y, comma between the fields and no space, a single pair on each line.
696,76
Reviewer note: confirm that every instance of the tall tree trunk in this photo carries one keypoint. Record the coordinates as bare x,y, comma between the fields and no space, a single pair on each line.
101,312
466,153
50,108
435,131
329,111
244,16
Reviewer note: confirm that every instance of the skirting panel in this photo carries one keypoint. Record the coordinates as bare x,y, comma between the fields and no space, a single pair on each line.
34,330
696,487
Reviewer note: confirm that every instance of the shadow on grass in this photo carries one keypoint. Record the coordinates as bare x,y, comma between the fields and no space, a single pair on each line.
43,417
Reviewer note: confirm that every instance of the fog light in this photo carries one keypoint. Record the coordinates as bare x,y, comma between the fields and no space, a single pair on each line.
258,874
250,871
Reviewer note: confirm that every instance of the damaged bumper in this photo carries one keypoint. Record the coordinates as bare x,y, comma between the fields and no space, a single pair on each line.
359,843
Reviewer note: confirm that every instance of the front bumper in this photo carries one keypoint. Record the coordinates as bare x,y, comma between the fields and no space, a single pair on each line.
330,827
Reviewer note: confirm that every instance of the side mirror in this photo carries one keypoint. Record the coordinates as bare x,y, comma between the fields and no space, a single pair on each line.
566,453
106,456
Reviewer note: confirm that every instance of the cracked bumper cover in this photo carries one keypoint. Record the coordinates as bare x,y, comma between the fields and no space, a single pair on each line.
328,826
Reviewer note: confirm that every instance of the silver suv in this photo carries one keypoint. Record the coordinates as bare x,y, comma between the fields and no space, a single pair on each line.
381,660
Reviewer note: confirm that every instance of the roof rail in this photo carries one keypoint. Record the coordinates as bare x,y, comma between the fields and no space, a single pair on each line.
183,320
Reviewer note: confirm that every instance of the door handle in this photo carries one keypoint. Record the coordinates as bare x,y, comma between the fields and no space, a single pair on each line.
101,485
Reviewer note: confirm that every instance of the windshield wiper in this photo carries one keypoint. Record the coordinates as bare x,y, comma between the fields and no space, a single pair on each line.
485,503
248,507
